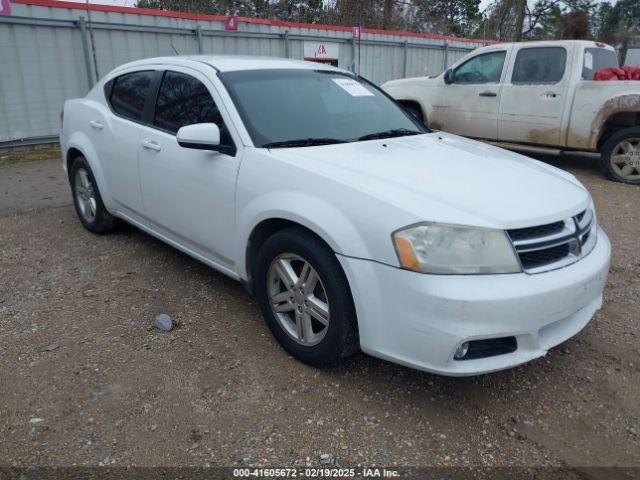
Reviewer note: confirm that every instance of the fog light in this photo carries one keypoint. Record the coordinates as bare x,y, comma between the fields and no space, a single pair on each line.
490,347
461,351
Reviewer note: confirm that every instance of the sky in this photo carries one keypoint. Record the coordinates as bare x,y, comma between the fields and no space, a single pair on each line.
132,3
485,3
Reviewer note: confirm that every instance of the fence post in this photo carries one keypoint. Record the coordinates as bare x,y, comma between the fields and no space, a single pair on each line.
199,38
85,50
445,56
404,58
285,38
353,54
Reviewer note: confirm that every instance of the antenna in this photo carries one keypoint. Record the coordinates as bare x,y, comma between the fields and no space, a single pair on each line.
175,49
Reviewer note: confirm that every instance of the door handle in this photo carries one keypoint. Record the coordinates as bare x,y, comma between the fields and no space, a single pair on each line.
151,145
95,124
549,95
487,94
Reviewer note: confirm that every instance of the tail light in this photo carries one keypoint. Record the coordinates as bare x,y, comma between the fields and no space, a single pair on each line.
61,117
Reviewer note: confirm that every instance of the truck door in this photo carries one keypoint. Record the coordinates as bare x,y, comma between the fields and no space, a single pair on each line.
534,96
467,101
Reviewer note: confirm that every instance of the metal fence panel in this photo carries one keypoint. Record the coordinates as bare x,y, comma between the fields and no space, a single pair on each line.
45,53
633,56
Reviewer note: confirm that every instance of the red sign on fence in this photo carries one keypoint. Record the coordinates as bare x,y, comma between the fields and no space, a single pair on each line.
5,7
231,23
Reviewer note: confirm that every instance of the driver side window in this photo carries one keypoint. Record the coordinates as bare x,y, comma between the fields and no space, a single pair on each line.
184,100
485,68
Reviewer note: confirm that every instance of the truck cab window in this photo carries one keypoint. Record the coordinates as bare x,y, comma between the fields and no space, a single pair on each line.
596,58
541,65
485,68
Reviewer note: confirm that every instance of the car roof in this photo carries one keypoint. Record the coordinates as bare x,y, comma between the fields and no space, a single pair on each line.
547,43
230,63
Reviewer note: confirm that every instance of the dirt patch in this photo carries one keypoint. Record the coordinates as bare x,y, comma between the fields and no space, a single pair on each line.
20,156
86,379
30,185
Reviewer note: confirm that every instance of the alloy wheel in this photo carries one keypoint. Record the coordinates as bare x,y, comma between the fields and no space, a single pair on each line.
85,195
625,158
298,299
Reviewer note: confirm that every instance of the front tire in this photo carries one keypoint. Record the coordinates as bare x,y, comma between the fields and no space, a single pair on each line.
620,160
86,198
305,298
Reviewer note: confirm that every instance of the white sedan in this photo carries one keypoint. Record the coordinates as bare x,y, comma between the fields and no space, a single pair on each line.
354,225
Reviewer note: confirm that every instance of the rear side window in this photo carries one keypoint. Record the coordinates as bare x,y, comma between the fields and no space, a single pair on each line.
595,59
184,100
129,93
543,65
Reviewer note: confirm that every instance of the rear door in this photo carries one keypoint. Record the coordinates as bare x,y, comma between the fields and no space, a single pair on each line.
534,96
189,195
469,105
116,136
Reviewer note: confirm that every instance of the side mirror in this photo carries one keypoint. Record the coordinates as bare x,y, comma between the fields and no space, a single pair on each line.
202,136
448,77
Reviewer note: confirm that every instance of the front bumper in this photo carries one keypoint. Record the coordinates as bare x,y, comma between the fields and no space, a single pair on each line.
419,320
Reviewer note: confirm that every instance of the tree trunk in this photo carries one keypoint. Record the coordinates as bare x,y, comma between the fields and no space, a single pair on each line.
520,12
623,50
387,14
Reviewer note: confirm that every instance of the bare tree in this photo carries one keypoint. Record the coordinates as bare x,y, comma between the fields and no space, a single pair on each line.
520,9
387,14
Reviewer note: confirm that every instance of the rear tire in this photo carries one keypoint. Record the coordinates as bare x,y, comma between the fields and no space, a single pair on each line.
86,198
620,159
305,298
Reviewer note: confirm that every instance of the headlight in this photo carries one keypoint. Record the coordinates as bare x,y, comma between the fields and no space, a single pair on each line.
453,249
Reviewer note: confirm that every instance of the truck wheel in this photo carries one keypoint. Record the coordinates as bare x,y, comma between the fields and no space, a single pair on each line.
414,110
305,298
621,156
87,199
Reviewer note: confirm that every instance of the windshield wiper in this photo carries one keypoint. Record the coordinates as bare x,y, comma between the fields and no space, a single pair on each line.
396,132
303,142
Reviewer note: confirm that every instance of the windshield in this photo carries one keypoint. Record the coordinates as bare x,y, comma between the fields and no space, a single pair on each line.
296,107
595,59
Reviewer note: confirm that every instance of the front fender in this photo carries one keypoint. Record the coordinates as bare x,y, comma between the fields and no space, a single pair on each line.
405,89
79,141
412,90
318,215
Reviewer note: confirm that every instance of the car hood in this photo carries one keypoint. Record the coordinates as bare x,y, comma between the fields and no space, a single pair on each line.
445,178
402,86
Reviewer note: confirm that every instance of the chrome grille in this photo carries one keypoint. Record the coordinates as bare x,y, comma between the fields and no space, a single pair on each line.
554,245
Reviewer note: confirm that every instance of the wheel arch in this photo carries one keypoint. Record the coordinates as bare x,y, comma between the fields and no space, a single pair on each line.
617,113
260,233
80,145
264,217
414,104
72,154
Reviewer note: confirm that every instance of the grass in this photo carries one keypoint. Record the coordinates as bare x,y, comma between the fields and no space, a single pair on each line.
21,156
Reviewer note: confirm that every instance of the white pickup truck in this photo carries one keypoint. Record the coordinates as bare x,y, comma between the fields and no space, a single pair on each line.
535,94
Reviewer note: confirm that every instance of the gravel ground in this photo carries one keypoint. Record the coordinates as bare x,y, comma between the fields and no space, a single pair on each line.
86,380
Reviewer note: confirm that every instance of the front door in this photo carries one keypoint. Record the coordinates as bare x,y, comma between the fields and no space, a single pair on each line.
534,97
188,194
469,105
